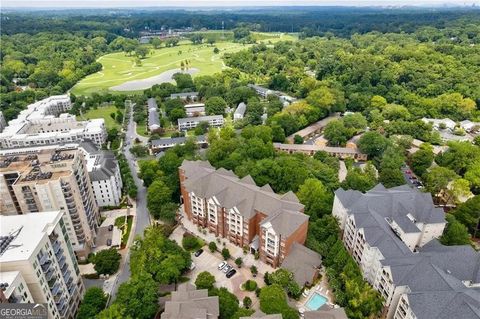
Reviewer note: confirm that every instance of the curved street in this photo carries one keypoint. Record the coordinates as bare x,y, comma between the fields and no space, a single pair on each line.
142,217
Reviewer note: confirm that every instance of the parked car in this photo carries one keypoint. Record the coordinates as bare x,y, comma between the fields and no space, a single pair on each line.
198,252
221,265
227,268
109,242
231,273
110,227
192,266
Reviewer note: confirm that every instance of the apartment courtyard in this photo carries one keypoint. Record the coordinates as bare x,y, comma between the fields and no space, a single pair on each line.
209,261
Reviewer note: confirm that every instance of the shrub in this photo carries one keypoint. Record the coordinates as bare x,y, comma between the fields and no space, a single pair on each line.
250,285
266,278
247,302
225,253
212,246
239,262
253,270
190,242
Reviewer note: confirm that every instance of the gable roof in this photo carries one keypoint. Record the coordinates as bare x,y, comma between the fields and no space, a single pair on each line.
285,213
303,263
189,303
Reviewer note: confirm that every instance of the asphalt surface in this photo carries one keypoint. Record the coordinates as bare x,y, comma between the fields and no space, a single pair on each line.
147,83
142,215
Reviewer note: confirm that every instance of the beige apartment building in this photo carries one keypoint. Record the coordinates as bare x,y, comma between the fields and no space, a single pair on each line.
38,263
32,181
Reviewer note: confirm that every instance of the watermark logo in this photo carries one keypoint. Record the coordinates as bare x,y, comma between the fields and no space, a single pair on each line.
23,311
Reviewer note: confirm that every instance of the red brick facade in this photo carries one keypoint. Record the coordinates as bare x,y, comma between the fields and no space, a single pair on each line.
251,228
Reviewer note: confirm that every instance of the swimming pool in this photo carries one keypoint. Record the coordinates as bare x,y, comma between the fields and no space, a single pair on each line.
315,301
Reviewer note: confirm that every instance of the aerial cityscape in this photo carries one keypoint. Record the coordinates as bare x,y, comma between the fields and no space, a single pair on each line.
235,160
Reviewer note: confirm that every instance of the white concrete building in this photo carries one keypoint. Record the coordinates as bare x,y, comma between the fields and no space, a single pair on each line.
38,248
470,126
448,123
239,111
391,234
14,287
104,172
192,122
45,122
51,178
195,109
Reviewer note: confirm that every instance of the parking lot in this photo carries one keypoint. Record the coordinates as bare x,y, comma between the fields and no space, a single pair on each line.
208,261
410,178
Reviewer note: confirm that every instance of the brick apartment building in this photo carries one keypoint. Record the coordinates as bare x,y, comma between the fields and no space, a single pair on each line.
240,211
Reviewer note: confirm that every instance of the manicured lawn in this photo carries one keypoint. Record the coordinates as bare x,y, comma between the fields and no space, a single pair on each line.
102,112
119,68
142,130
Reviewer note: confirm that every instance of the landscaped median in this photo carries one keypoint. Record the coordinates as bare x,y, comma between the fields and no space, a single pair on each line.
124,227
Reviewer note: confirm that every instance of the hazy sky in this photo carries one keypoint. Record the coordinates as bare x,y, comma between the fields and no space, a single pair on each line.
220,3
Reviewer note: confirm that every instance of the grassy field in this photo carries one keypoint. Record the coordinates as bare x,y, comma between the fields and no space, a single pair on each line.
104,113
119,68
142,130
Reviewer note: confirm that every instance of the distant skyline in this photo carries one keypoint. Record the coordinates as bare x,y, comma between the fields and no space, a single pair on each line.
223,3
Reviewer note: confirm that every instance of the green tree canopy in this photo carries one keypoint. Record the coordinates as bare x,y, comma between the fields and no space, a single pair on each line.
205,280
455,233
93,302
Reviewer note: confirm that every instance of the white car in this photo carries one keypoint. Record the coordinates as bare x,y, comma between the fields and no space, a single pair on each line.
192,266
221,265
227,268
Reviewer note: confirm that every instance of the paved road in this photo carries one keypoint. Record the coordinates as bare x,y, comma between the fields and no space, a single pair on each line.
147,83
142,215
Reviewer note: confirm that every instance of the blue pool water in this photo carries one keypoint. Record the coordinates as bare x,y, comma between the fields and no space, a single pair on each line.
316,301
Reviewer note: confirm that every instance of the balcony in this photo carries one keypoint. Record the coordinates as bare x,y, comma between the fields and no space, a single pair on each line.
46,266
71,205
49,275
43,259
61,261
66,274
59,253
56,289
71,289
56,246
60,302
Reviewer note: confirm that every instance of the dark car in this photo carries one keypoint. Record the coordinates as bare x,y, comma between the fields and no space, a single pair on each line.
231,273
110,227
109,242
198,252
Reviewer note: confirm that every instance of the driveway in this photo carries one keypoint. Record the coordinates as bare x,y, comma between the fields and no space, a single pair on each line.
208,261
142,217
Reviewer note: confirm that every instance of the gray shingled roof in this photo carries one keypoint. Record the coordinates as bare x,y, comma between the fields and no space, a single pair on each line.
434,274
189,303
105,166
284,212
241,108
326,312
260,315
372,210
303,263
